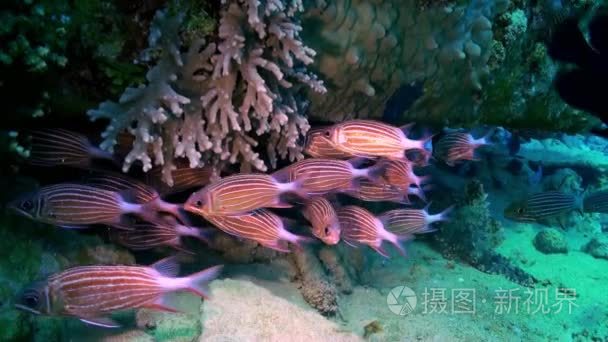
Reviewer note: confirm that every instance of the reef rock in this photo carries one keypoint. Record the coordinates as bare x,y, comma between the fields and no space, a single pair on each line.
242,311
597,247
550,241
314,285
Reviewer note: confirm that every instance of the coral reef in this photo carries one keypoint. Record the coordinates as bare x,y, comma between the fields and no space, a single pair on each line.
316,289
241,251
261,315
550,241
334,265
212,102
472,235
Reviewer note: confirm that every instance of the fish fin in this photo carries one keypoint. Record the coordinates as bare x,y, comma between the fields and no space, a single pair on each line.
197,282
178,247
351,243
167,267
177,210
406,128
377,172
104,322
73,226
281,175
299,240
280,204
381,251
160,305
358,161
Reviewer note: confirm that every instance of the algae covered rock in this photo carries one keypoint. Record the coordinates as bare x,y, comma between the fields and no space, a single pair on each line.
550,241
597,247
242,311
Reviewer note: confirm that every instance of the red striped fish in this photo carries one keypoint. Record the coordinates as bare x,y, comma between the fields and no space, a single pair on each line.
325,225
76,206
140,193
400,174
319,146
412,221
457,146
359,226
368,138
164,232
261,226
91,293
184,178
375,192
55,147
241,193
320,176
596,202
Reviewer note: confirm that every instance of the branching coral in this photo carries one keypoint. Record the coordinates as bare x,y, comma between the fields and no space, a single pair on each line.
211,103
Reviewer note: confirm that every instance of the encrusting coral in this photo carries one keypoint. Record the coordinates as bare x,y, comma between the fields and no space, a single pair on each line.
315,287
211,103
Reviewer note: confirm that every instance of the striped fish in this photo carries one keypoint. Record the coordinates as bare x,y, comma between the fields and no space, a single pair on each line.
596,202
184,178
458,146
543,205
400,174
320,176
91,293
56,147
76,206
359,226
319,146
368,138
261,226
325,225
165,232
412,221
237,194
139,192
374,192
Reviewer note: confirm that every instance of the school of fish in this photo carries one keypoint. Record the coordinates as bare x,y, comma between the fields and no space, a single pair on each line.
364,159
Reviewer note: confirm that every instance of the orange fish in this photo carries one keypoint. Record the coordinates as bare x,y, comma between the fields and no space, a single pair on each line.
359,226
320,176
184,178
375,192
412,221
261,226
457,146
368,138
325,225
319,146
238,194
91,293
163,232
400,174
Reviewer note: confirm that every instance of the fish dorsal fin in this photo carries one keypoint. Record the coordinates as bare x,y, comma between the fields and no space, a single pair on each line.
168,267
104,322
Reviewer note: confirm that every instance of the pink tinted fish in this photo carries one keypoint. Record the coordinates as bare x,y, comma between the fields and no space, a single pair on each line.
325,225
319,176
140,193
55,147
184,178
92,293
261,226
162,232
412,221
457,146
76,206
319,146
369,138
359,226
238,194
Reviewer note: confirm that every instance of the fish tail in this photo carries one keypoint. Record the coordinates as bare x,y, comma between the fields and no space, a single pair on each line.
397,241
197,282
296,187
418,192
298,240
376,173
177,210
98,153
199,233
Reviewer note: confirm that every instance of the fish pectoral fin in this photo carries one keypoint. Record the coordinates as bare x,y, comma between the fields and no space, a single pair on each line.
104,322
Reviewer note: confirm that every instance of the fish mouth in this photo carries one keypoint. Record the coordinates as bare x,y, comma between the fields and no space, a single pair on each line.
27,308
15,208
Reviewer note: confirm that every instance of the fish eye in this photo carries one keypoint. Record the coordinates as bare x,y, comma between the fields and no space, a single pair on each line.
327,134
327,230
27,205
198,203
31,299
520,210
